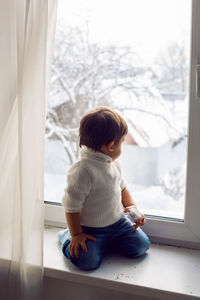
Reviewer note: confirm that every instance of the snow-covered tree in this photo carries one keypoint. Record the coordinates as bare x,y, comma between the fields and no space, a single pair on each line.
171,71
85,75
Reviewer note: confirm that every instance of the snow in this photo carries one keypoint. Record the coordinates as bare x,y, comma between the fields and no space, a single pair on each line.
54,185
153,201
56,167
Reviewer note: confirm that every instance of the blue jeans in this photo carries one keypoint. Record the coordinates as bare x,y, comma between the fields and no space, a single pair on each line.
119,236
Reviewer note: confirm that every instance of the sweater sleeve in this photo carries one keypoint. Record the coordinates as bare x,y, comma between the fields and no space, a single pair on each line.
78,187
122,182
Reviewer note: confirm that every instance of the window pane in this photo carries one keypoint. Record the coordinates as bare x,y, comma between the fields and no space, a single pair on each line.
132,55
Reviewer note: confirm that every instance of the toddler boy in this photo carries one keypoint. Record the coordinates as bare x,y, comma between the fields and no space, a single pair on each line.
96,196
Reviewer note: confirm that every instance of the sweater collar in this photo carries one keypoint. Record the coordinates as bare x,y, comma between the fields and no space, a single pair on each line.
89,153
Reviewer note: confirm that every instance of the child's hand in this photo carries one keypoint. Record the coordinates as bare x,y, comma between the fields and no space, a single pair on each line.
140,222
77,241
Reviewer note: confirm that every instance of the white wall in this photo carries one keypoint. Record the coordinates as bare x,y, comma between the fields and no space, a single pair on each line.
146,165
56,289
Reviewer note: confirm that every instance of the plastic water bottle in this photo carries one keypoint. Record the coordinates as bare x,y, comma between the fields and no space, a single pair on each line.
134,214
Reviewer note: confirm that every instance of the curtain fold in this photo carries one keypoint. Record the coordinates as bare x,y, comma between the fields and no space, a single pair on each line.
27,32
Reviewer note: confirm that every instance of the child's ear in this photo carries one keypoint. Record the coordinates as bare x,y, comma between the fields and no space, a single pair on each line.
110,146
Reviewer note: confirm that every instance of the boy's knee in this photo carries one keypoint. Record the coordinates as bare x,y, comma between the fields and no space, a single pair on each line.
87,261
85,264
135,250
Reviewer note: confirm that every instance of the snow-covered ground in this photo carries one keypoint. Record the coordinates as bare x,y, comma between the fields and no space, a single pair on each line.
153,201
56,167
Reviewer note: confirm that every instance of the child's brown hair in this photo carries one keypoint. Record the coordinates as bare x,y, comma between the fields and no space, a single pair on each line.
101,126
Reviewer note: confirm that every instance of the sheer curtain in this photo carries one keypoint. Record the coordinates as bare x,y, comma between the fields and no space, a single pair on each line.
26,35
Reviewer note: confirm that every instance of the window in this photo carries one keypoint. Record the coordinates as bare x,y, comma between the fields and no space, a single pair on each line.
136,59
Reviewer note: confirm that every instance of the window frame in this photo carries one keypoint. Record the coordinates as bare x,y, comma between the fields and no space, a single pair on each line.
171,231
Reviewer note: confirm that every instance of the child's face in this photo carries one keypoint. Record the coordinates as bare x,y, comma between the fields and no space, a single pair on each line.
117,148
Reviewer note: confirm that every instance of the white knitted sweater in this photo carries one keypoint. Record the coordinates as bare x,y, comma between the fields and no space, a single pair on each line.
94,186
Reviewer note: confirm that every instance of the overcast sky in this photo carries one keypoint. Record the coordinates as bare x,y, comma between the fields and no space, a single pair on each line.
147,25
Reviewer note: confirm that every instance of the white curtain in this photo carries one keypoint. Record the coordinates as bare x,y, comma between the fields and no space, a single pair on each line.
26,35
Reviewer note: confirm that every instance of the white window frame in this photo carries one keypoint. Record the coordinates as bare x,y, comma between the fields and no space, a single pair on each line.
172,232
